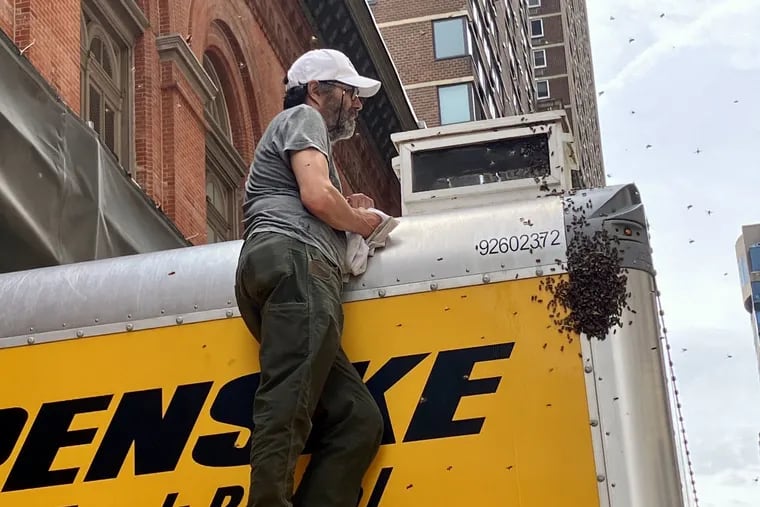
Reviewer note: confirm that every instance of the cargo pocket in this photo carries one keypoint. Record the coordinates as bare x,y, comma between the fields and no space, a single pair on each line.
290,284
322,270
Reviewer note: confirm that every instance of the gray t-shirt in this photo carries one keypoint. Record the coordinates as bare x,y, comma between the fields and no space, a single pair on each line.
272,200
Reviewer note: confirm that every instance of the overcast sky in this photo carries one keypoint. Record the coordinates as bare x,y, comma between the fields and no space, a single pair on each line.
675,87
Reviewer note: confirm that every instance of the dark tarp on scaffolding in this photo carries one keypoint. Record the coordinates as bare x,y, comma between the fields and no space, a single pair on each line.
63,197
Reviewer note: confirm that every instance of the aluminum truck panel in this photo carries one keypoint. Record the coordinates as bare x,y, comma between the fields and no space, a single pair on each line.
636,428
485,404
457,247
129,381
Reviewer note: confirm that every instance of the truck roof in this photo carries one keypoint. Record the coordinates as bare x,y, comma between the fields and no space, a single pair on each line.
425,252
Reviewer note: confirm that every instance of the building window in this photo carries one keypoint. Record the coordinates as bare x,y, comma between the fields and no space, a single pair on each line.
220,202
536,28
542,89
455,103
222,166
105,85
217,108
539,58
534,3
754,258
450,38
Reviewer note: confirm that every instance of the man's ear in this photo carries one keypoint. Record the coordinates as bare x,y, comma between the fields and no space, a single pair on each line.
313,92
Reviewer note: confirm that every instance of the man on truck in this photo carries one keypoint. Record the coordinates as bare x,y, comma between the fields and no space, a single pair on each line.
288,286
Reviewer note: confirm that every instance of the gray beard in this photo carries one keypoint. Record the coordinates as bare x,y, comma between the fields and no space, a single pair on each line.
343,131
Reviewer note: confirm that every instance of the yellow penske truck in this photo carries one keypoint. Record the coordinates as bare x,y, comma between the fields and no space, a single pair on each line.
509,331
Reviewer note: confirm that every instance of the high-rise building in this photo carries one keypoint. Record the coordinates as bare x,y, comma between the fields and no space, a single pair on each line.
460,60
564,74
748,257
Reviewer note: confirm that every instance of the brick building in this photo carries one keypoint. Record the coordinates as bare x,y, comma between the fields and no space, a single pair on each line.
178,92
460,60
564,73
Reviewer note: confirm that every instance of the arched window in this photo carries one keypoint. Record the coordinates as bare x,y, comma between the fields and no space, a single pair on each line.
222,186
104,86
217,108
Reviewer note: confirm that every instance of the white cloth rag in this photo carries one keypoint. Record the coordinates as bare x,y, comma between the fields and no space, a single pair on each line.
359,249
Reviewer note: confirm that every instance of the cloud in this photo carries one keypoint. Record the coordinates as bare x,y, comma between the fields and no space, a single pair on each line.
727,452
720,400
726,27
721,411
732,489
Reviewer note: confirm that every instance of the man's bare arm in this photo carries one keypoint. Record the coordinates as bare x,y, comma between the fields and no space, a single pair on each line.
323,200
360,201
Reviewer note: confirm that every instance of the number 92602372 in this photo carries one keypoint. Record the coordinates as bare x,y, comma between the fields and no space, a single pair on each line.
522,242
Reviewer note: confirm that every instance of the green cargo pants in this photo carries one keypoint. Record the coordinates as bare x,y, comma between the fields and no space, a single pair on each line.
289,296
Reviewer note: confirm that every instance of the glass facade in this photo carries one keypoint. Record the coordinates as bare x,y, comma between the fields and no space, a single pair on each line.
755,311
748,256
500,58
754,257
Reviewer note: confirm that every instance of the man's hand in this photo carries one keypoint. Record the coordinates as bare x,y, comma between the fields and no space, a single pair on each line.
360,201
370,222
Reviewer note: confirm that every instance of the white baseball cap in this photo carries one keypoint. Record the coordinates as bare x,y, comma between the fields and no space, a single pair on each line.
329,65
